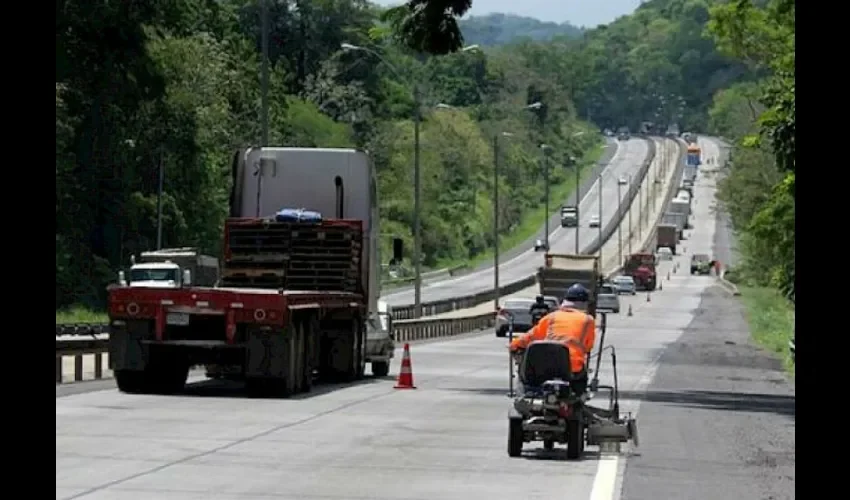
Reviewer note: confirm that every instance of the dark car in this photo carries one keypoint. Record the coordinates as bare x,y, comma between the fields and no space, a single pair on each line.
520,310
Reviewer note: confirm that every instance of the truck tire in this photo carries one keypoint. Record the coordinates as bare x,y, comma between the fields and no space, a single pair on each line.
548,444
380,368
308,336
575,438
515,438
131,381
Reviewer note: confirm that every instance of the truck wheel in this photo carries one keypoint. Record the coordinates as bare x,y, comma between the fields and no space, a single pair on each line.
130,381
515,439
575,438
380,368
548,445
306,356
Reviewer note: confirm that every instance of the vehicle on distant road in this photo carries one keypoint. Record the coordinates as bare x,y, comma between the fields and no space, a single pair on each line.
664,253
540,245
608,299
701,264
623,181
520,310
625,285
594,221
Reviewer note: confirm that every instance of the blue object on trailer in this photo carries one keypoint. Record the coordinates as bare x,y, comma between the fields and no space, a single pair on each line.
297,215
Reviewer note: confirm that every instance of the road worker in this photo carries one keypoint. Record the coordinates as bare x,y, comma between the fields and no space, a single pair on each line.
570,325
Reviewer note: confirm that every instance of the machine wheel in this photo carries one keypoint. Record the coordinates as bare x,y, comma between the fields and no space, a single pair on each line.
515,439
548,445
575,439
380,368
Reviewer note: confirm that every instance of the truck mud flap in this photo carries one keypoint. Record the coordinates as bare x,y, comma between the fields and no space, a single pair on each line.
127,350
268,352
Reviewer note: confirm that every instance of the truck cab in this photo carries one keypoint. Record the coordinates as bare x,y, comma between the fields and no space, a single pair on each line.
153,275
569,216
171,268
380,345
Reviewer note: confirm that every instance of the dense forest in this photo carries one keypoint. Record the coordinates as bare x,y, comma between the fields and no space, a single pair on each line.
494,30
176,83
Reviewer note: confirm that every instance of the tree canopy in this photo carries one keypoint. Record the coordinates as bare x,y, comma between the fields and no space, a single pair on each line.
176,83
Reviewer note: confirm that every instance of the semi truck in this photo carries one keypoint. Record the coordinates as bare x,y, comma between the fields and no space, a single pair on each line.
641,267
297,288
666,235
561,271
674,219
683,207
164,268
569,216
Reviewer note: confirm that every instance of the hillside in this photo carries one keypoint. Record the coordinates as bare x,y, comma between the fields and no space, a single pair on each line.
495,30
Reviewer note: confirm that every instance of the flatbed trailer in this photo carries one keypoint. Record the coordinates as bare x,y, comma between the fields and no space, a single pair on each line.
292,304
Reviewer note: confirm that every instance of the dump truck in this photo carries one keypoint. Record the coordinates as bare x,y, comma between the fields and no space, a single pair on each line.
569,216
164,268
296,291
666,235
561,271
641,267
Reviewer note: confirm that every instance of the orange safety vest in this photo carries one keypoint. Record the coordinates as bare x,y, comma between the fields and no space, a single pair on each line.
574,328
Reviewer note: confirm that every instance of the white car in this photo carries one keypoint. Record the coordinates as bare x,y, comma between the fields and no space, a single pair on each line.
540,245
622,181
594,221
664,253
607,299
625,284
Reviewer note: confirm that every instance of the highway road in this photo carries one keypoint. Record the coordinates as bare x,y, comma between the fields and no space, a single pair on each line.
626,161
446,439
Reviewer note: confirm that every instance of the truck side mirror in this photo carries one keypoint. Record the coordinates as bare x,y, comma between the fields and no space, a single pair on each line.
398,250
187,277
122,280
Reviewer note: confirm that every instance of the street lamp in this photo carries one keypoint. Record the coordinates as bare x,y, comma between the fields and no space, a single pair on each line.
417,178
545,148
575,164
496,217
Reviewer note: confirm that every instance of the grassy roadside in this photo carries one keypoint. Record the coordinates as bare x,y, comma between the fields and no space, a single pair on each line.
533,219
78,314
771,320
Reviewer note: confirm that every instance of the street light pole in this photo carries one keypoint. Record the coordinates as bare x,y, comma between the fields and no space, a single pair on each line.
578,202
546,196
264,82
159,203
417,191
600,218
417,207
620,218
631,234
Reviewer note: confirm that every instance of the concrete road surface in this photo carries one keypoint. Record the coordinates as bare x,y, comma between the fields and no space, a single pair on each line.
447,439
628,158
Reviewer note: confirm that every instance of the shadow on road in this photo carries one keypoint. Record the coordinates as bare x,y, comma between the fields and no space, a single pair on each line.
725,401
219,388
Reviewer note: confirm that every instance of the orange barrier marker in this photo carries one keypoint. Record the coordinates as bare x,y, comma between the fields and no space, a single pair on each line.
405,375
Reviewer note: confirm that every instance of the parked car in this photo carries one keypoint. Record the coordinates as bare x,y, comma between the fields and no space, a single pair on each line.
625,285
607,299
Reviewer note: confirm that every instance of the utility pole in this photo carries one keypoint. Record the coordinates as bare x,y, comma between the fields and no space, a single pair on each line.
600,218
417,207
546,197
264,82
620,218
496,222
578,197
159,203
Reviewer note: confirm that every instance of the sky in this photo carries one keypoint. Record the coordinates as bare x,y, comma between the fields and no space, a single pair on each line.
589,13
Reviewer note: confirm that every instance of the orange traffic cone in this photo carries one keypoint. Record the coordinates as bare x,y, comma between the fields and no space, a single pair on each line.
405,375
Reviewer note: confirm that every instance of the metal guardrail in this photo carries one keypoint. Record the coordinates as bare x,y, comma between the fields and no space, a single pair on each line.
79,341
435,307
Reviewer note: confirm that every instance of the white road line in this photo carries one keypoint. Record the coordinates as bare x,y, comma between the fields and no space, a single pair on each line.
525,254
606,477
